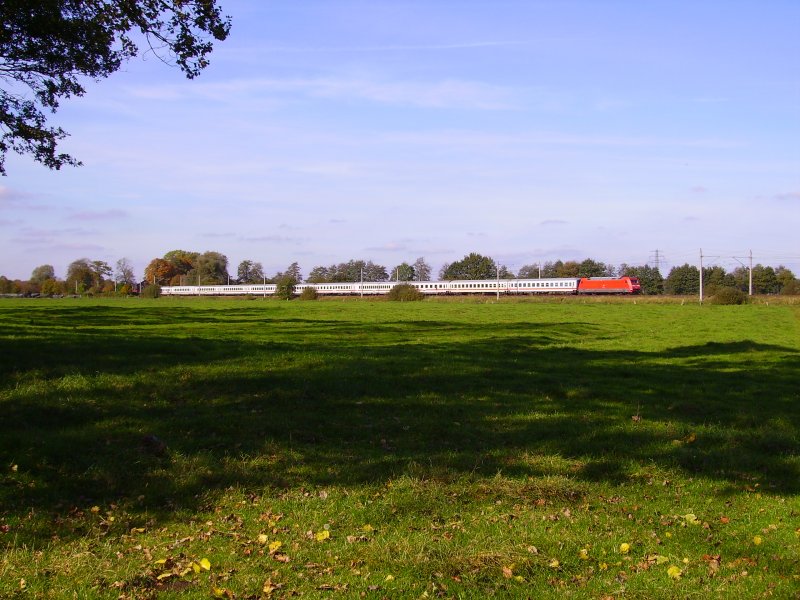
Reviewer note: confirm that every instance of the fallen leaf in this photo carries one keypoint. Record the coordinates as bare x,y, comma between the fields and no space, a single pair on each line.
323,535
674,572
624,548
691,519
508,572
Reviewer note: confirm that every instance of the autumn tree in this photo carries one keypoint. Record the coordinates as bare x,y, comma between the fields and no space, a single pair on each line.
6,285
80,275
182,260
159,271
560,268
51,287
41,273
51,47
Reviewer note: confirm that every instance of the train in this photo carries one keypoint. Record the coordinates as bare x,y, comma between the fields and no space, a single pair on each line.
553,285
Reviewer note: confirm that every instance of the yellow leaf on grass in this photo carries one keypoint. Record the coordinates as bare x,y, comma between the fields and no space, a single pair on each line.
367,528
205,564
323,535
262,538
674,572
624,548
583,554
691,519
757,540
554,564
273,547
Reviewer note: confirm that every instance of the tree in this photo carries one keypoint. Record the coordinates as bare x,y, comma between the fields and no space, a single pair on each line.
159,271
571,268
319,275
42,273
529,271
293,271
715,278
403,272
210,268
51,287
593,268
182,260
123,273
250,272
765,281
284,287
784,276
505,273
422,270
100,271
6,286
80,275
683,280
560,269
472,266
51,47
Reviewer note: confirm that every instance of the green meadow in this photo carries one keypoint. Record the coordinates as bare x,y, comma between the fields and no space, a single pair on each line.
248,449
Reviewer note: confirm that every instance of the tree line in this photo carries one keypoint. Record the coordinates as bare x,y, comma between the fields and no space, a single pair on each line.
181,267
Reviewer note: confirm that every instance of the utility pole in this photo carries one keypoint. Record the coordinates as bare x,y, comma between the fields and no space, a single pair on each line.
701,275
750,272
497,270
657,260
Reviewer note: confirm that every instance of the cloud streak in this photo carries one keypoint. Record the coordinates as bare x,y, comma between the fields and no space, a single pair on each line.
446,93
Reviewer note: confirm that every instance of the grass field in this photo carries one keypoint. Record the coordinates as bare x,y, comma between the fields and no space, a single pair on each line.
264,449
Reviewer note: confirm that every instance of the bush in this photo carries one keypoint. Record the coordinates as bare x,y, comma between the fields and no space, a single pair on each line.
151,291
285,288
729,295
792,288
309,293
404,292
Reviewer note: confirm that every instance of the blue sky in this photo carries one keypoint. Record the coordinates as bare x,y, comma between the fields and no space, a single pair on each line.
388,130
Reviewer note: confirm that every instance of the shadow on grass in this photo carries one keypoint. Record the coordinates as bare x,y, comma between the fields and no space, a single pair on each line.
266,410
